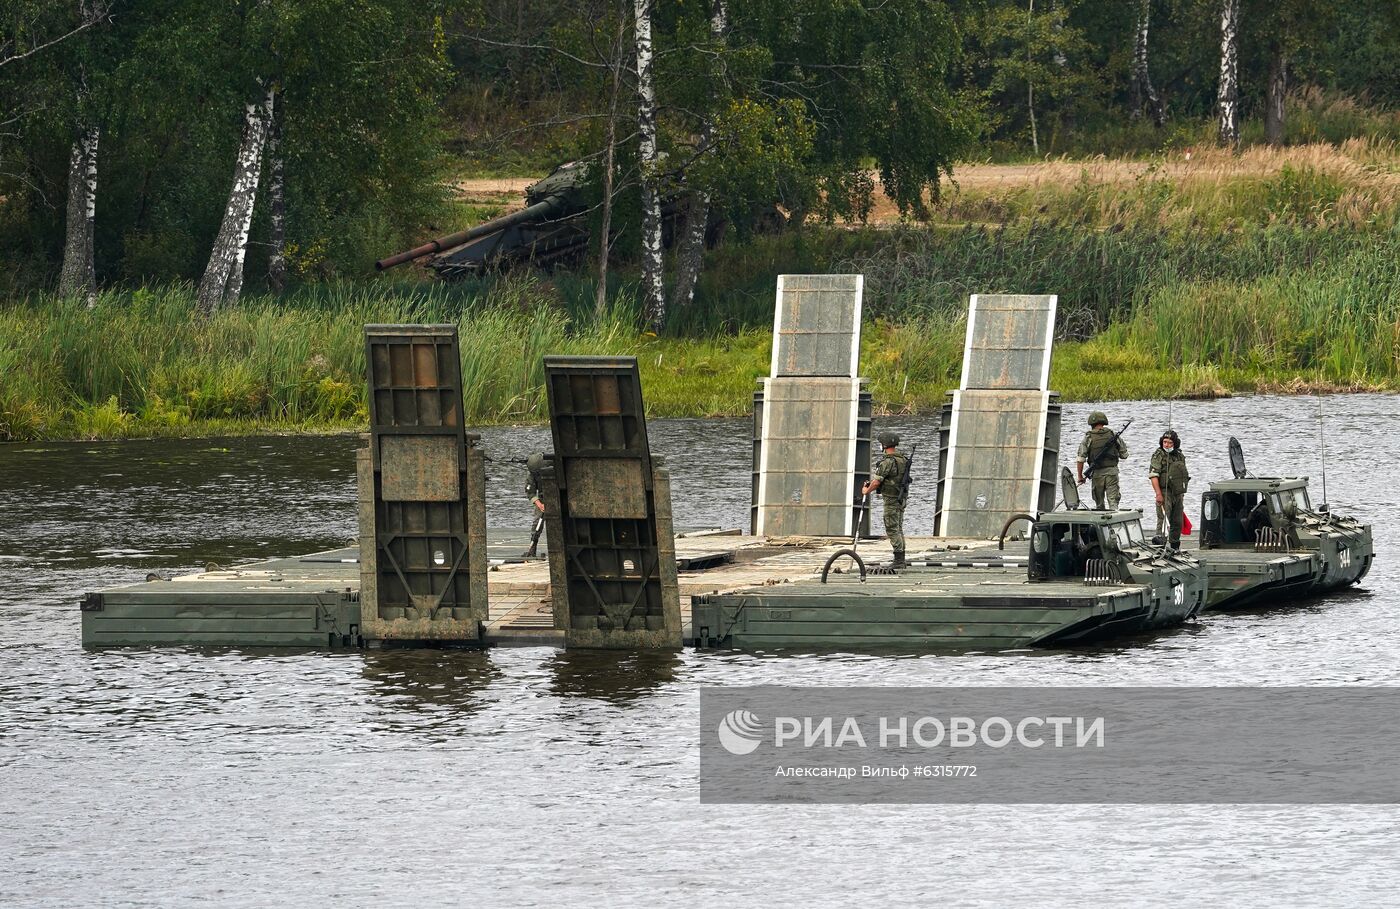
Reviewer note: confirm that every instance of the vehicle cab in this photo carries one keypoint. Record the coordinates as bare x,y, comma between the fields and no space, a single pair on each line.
1110,548
1277,513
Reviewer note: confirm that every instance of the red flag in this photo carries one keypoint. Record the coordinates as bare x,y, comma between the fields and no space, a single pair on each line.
1185,523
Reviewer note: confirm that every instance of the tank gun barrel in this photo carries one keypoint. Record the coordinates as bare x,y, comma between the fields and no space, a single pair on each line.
539,210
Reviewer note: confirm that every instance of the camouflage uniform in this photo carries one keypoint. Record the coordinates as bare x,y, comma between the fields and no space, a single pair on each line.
534,487
1105,478
893,470
533,465
1172,476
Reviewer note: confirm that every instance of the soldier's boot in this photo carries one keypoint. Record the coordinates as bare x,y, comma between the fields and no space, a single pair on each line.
899,560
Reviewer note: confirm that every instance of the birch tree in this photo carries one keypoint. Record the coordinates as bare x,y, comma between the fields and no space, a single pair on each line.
78,276
78,273
690,248
1228,94
1141,93
276,201
649,159
223,277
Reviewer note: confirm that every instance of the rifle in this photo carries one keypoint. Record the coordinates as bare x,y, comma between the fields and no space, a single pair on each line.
1111,446
908,474
535,537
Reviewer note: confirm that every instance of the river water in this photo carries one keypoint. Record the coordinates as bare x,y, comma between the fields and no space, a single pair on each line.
537,777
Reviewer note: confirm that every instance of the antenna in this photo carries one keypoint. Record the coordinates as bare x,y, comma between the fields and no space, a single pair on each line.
1322,442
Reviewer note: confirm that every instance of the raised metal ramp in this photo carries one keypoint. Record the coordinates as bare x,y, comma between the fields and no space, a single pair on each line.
816,325
1009,340
1000,436
422,484
612,562
812,416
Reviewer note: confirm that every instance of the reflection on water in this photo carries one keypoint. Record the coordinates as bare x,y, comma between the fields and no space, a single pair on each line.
530,776
616,677
450,684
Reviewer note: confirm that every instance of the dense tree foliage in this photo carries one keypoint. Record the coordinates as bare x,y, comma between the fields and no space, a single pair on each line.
799,106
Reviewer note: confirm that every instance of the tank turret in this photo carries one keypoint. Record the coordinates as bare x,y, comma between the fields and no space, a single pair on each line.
551,228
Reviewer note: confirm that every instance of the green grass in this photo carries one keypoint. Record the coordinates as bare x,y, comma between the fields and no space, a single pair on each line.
1283,277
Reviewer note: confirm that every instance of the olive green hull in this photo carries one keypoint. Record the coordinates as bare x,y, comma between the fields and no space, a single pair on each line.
924,610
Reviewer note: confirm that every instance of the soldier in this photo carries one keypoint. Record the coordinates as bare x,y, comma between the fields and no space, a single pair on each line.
1169,478
890,475
1102,452
534,464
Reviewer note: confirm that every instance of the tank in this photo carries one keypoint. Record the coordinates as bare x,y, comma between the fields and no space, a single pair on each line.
551,229
1276,514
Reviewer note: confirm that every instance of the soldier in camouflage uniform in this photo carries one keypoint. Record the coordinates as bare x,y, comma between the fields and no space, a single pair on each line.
1169,478
890,474
1105,463
534,464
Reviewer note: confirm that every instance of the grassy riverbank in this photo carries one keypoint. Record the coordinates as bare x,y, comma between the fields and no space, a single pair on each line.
1267,271
139,364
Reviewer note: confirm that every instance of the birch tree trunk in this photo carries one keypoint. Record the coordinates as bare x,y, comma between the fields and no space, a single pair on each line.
78,275
600,302
223,278
1142,94
1030,86
1229,93
1273,103
653,289
277,205
690,251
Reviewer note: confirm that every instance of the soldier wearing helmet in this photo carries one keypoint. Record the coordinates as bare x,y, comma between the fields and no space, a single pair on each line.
1170,478
1101,450
889,475
534,464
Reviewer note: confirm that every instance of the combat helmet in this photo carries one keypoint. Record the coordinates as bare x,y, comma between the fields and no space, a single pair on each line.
1098,417
535,462
888,439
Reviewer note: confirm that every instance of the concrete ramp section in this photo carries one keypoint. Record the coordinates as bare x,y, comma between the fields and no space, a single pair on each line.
612,564
816,325
812,418
1009,339
422,483
1000,436
811,459
997,457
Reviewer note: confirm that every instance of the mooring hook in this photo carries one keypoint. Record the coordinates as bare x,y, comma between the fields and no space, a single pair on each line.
855,556
1001,538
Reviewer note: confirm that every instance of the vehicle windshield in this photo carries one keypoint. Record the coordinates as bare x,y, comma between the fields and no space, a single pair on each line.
1127,534
1286,500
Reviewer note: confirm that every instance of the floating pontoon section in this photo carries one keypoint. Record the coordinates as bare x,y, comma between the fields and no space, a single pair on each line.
422,493
612,563
812,416
1000,436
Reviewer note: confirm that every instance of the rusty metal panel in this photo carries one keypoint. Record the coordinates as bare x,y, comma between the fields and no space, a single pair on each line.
419,468
423,492
1009,341
997,456
607,488
610,545
816,325
808,456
